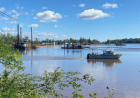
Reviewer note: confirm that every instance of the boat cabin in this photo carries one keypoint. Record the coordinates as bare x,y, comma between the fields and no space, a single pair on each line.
108,52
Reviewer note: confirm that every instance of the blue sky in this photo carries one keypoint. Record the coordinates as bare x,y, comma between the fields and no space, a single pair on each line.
64,19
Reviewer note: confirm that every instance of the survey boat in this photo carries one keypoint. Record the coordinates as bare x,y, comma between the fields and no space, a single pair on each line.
107,54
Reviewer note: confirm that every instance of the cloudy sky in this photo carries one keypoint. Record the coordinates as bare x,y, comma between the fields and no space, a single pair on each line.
64,19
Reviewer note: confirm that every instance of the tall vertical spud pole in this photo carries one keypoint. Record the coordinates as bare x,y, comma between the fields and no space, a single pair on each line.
31,37
17,36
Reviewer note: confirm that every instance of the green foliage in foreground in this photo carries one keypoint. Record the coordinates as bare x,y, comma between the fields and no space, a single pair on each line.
15,84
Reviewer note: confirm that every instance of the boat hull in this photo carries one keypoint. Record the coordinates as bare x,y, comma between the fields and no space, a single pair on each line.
117,56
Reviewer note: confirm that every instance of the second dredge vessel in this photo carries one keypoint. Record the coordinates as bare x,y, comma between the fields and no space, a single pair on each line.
107,54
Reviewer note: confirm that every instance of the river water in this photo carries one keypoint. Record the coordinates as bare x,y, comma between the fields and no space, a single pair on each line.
122,74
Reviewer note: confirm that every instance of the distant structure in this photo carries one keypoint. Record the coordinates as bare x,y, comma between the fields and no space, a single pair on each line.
31,37
17,36
33,47
20,45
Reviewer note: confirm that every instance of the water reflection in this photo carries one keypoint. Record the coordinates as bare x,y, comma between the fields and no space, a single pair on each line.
25,51
106,62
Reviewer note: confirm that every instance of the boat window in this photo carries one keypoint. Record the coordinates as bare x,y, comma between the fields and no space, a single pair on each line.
109,52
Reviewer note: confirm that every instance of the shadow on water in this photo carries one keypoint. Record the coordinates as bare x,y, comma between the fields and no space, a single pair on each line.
106,62
25,51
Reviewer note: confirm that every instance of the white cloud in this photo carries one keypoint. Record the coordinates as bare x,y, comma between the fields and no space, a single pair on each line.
12,33
32,10
4,18
65,15
48,16
35,18
8,29
57,26
51,35
73,5
92,14
13,22
107,5
111,12
42,20
44,7
63,35
22,7
21,25
2,9
26,13
33,25
12,11
81,5
45,35
16,15
18,6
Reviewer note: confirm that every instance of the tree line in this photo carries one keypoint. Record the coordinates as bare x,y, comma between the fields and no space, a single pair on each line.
125,40
10,39
71,40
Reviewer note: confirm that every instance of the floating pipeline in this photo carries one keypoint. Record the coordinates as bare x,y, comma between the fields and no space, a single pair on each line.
48,46
47,58
115,47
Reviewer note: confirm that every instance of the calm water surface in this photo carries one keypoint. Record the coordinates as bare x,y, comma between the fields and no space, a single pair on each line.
122,74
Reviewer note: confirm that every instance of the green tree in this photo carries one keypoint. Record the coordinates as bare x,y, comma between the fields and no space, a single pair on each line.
50,41
36,41
108,41
71,40
47,40
89,41
95,41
